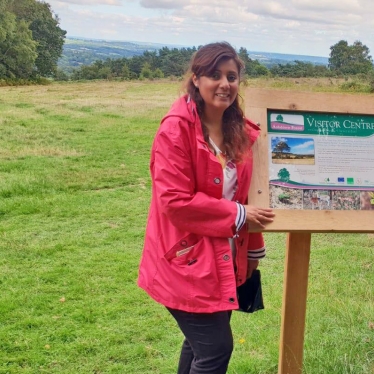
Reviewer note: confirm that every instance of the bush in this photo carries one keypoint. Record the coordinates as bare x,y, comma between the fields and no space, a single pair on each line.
24,82
353,86
370,80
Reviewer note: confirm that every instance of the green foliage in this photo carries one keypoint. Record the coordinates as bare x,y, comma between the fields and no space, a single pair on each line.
359,83
253,68
299,69
283,196
353,86
350,59
125,72
17,48
370,80
154,64
24,82
30,39
146,71
173,63
158,73
281,147
284,175
279,118
60,75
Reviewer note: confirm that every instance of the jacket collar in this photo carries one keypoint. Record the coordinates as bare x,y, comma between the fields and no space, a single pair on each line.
185,108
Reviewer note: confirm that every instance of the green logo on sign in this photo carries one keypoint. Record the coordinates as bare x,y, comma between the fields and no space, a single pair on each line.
350,180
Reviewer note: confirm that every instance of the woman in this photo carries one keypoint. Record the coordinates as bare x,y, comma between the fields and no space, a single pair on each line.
197,246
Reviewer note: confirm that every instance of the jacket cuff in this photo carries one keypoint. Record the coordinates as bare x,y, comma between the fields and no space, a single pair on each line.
256,254
240,217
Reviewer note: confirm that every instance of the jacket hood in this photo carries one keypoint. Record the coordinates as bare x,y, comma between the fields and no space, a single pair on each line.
183,108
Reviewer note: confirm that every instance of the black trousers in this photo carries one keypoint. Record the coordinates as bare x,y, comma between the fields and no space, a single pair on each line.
208,342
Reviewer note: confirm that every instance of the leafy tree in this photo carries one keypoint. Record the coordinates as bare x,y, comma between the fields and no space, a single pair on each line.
284,175
152,59
146,71
174,63
125,71
17,48
86,72
370,79
117,67
158,73
259,69
350,59
299,69
281,147
61,75
279,118
105,73
44,25
253,68
135,65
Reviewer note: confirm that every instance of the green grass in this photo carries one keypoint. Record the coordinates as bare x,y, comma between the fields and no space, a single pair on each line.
74,195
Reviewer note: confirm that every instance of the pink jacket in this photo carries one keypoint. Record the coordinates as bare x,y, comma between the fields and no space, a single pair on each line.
187,261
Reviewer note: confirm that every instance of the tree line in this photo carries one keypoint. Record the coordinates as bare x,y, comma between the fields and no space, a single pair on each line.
173,62
31,40
344,60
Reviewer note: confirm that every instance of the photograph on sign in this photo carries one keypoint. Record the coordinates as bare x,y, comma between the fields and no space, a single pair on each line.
321,161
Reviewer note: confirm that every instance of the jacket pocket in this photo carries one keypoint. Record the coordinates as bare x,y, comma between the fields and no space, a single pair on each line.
181,250
192,262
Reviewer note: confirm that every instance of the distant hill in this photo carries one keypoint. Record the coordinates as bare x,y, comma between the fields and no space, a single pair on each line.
81,51
269,58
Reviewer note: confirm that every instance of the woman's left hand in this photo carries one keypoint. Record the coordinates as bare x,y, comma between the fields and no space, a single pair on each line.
252,265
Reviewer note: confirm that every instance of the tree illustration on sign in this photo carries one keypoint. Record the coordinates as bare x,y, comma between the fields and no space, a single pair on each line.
284,175
281,147
279,118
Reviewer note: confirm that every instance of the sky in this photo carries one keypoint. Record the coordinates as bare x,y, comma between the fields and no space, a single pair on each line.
303,146
303,27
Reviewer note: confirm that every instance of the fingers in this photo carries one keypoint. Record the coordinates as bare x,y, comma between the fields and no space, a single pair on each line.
252,265
249,273
255,225
257,218
266,213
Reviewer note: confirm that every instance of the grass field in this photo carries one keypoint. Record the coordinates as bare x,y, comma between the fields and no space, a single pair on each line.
74,195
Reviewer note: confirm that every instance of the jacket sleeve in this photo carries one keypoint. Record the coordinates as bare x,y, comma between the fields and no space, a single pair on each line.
175,190
256,246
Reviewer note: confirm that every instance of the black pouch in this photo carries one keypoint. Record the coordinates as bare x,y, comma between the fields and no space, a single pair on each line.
250,294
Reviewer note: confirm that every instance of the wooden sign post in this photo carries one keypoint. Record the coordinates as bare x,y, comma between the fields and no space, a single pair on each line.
297,172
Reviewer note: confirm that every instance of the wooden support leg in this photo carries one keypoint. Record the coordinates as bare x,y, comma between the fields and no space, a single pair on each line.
294,303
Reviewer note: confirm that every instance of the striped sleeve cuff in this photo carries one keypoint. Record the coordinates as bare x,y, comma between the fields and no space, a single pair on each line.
240,217
256,254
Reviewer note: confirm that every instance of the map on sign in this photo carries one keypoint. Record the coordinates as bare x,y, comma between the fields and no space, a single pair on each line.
321,161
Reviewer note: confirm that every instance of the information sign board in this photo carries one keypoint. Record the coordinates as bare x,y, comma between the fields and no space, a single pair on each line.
321,161
314,160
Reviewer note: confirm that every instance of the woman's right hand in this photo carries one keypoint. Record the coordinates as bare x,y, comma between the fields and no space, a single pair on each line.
257,218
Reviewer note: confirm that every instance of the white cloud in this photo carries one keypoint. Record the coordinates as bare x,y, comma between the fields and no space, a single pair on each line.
304,145
327,5
163,4
292,26
91,2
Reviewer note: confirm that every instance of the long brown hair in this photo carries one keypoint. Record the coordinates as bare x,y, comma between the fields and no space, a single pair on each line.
204,63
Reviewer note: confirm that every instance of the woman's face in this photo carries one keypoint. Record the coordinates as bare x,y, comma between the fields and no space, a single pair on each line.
221,88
